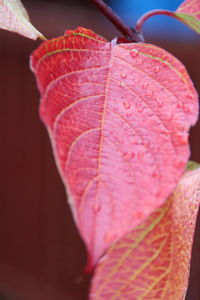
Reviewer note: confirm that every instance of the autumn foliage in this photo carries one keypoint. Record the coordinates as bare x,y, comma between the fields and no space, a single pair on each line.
118,116
110,112
151,262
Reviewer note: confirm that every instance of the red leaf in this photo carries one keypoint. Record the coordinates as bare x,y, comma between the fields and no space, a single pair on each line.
13,17
153,261
190,7
189,13
118,118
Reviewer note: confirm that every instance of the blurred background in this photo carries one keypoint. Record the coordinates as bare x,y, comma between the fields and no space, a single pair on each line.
41,254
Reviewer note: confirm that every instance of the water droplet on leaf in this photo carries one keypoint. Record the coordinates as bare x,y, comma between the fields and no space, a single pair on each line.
140,109
189,96
165,133
139,61
149,94
139,215
109,237
145,85
160,103
169,117
126,105
157,194
138,103
179,104
134,52
182,139
157,69
178,163
156,149
129,155
155,175
140,155
123,75
146,142
96,208
181,127
187,109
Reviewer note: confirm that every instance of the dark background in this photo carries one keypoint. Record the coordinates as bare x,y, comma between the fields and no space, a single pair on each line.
41,253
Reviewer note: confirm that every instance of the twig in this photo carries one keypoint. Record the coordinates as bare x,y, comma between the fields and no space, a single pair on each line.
130,33
152,13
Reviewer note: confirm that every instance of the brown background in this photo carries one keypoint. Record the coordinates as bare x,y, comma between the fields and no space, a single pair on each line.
41,254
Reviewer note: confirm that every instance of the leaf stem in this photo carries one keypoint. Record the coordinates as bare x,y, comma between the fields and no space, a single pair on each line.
130,33
152,13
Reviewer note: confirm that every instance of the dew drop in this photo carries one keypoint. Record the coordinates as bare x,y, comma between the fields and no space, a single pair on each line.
133,134
135,140
160,103
157,69
123,75
138,103
96,208
62,152
145,85
178,163
169,117
179,104
109,237
149,94
156,175
134,52
189,96
157,149
126,105
165,133
140,155
128,155
139,215
122,84
181,127
187,109
139,61
157,195
146,142
182,139
140,109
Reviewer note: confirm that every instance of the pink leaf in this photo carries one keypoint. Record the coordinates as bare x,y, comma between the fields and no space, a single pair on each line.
191,7
13,17
118,116
189,13
153,260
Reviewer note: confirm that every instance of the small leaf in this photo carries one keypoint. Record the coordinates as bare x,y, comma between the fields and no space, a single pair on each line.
13,17
191,165
189,13
118,116
153,260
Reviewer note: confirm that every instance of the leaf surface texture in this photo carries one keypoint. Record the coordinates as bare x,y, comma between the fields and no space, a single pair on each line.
189,13
152,261
118,116
13,17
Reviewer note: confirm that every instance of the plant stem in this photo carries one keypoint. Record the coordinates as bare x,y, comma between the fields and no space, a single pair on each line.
152,13
130,33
